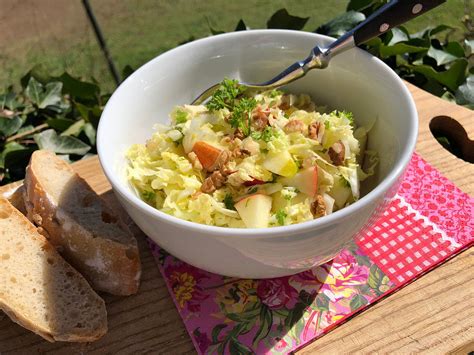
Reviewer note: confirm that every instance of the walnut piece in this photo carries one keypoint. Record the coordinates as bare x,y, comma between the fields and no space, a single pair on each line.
316,131
285,102
213,182
318,208
294,126
337,153
260,119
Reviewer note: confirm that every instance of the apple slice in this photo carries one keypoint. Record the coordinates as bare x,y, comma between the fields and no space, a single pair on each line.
280,163
207,154
306,181
255,210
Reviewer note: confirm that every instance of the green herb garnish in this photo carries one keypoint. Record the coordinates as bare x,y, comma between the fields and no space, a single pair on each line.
242,114
181,116
275,93
225,96
253,190
229,202
148,195
281,216
266,135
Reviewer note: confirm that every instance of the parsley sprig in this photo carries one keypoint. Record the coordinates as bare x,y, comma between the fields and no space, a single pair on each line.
225,96
229,95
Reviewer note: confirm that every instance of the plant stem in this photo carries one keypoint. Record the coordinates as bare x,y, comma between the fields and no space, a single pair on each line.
27,133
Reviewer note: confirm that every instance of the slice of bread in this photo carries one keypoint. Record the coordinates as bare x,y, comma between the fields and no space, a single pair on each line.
77,221
39,290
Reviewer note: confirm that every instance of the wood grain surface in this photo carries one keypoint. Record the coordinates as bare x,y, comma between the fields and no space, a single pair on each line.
434,314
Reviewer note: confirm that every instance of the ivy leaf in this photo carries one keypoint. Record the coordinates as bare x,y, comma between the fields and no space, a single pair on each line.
75,129
44,96
451,78
9,126
465,92
357,302
59,124
8,100
127,71
341,24
60,144
90,132
358,5
398,34
469,44
442,57
283,20
241,26
15,160
78,88
9,147
399,48
428,32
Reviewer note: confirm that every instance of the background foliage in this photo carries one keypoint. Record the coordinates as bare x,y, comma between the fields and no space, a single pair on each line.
61,113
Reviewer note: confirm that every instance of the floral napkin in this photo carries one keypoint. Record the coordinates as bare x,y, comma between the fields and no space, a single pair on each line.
426,223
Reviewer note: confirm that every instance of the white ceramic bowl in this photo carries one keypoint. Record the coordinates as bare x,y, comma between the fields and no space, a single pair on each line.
354,81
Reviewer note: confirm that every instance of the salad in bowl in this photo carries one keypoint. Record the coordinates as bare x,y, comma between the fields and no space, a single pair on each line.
251,160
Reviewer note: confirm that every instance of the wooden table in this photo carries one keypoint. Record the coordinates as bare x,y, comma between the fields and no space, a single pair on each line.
433,314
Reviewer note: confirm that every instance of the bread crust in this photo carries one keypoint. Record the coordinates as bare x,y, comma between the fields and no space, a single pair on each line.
20,316
110,264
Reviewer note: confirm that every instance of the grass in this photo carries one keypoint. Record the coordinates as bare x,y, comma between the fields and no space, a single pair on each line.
138,30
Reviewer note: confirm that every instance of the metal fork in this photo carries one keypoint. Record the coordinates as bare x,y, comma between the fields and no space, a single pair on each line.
386,17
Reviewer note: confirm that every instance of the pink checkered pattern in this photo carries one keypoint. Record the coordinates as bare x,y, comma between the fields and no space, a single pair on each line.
404,244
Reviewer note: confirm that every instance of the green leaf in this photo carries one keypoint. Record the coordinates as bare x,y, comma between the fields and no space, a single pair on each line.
451,78
398,34
9,147
341,24
465,92
442,57
9,126
216,331
49,140
44,96
469,44
266,322
241,26
59,124
9,101
399,48
283,20
127,71
90,132
358,5
15,161
357,302
237,348
75,129
430,31
78,88
455,49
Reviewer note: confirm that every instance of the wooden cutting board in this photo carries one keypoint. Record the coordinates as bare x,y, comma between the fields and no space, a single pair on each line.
435,313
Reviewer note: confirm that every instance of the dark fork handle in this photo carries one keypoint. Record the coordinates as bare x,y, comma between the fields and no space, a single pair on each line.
391,15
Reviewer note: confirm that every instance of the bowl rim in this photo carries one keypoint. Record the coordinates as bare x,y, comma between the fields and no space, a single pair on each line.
376,193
